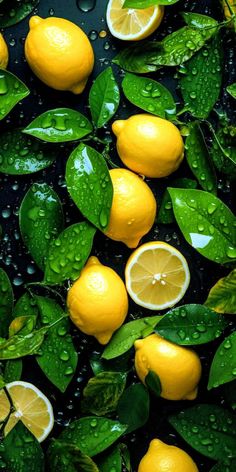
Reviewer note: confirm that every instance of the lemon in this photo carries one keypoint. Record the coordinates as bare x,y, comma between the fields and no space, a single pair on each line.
4,56
157,275
227,12
149,145
132,24
97,302
178,368
161,457
59,53
32,407
133,208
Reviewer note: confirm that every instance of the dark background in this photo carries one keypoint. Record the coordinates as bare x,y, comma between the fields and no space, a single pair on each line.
17,262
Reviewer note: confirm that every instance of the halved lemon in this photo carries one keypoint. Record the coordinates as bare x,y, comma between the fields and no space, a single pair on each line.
132,24
157,275
32,407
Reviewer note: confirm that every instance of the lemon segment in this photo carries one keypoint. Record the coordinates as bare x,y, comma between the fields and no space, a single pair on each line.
132,24
157,275
4,55
32,407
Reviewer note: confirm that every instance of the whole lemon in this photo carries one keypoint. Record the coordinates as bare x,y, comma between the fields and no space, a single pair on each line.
97,301
59,53
149,145
133,208
178,368
161,457
4,56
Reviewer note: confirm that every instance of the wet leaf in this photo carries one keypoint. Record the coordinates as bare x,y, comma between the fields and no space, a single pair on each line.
197,20
22,325
229,393
65,457
12,90
102,393
58,357
41,220
199,159
23,155
6,303
223,151
93,434
13,370
120,364
153,383
228,466
210,429
223,367
25,306
165,213
104,98
111,461
13,11
174,50
149,95
231,89
68,253
222,296
206,223
147,3
89,185
124,337
59,126
19,346
133,407
191,325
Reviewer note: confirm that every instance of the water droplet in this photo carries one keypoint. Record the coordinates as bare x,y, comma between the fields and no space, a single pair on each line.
86,5
231,252
64,356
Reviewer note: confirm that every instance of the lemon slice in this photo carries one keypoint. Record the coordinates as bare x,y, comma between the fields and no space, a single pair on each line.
31,407
157,275
132,24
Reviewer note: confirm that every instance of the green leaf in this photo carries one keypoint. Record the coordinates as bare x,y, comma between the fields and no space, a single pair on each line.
199,159
174,50
210,429
120,364
147,3
124,337
41,220
59,126
201,83
26,306
149,95
104,98
133,407
222,296
21,451
68,253
223,151
6,303
229,393
89,185
206,223
93,434
165,213
231,89
12,91
153,383
13,11
102,393
107,461
58,357
191,325
22,325
197,20
223,367
19,346
65,457
228,466
23,155
13,370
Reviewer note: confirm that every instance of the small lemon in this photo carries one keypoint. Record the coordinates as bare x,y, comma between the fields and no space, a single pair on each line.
97,302
59,53
161,457
133,208
4,56
149,145
178,368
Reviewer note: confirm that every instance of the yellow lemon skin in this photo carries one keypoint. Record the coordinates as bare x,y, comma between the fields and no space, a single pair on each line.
133,208
178,368
4,56
227,12
59,53
161,457
149,145
97,302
